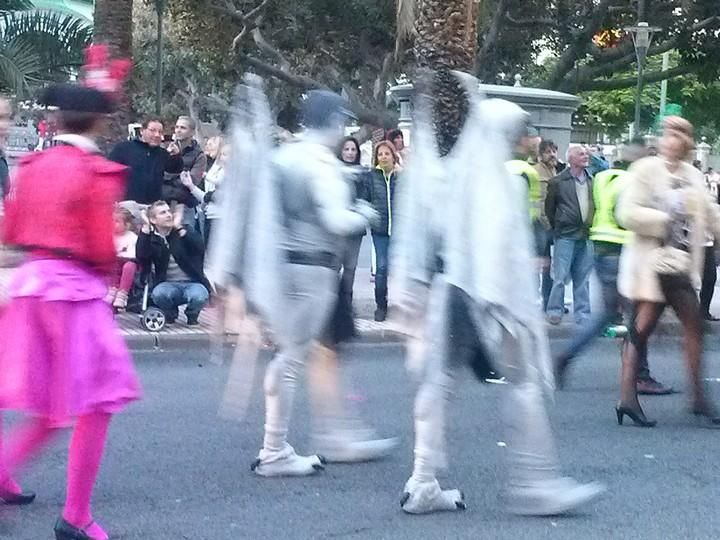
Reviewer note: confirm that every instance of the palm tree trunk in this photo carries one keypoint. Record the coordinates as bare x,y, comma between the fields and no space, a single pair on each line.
113,27
447,40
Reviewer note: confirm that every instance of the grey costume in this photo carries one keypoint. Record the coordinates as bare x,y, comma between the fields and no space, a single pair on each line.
317,215
280,240
493,288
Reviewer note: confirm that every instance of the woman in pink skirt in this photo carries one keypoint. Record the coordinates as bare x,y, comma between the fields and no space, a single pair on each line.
62,360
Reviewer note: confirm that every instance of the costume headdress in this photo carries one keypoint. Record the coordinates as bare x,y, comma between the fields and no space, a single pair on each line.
99,88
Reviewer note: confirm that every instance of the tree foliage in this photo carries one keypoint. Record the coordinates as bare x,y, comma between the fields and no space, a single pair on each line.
558,44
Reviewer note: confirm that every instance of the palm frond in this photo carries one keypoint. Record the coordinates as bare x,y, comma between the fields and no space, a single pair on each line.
59,39
18,65
15,5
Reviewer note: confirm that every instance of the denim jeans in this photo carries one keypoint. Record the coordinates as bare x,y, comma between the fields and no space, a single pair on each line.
382,247
606,267
169,296
572,260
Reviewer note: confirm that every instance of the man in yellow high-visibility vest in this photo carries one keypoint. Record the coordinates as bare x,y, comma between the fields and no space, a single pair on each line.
608,239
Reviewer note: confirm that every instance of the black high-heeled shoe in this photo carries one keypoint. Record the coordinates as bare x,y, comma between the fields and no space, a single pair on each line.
65,531
17,499
636,415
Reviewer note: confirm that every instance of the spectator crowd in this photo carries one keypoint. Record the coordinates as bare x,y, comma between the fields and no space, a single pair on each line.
165,222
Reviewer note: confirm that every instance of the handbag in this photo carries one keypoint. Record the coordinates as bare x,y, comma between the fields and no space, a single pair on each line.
673,256
669,260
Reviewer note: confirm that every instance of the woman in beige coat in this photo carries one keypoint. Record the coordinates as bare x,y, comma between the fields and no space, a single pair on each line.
668,208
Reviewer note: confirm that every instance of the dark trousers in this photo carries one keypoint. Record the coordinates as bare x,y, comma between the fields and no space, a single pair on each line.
709,279
208,231
382,248
349,263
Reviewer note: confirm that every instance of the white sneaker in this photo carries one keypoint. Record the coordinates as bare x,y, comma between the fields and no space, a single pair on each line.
286,463
426,497
551,497
352,447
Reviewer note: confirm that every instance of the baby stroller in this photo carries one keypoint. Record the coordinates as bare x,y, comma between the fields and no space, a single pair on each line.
152,318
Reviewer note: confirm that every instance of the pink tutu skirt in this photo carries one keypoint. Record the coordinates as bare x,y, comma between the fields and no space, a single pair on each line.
61,354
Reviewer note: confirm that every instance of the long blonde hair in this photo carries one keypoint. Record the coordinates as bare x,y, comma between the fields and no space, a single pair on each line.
213,146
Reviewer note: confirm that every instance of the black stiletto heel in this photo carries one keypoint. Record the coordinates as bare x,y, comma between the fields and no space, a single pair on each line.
637,416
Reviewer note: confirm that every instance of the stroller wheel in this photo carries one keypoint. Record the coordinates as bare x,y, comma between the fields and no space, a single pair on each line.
152,319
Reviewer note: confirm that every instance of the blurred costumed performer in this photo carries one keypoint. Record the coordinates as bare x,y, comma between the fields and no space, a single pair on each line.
62,358
465,270
281,247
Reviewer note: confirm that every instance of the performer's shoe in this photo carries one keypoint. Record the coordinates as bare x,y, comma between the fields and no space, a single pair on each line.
427,497
286,463
16,499
349,446
66,531
551,497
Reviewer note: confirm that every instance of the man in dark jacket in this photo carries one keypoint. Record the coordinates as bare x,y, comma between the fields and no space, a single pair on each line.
148,162
176,254
194,162
569,210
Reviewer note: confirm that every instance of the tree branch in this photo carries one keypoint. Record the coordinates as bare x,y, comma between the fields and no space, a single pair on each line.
627,48
227,8
298,81
627,82
491,36
580,44
365,116
250,20
595,69
382,79
532,21
268,49
191,98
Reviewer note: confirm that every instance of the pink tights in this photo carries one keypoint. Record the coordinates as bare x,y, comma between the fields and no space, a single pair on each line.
86,450
127,270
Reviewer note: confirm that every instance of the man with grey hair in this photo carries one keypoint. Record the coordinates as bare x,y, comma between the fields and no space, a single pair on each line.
569,209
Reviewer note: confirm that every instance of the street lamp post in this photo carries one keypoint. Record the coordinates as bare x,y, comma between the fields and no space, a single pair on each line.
642,35
160,8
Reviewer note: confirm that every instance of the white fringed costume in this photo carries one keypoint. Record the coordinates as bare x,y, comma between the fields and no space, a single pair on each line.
464,268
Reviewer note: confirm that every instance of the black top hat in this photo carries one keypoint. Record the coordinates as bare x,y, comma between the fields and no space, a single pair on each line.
72,97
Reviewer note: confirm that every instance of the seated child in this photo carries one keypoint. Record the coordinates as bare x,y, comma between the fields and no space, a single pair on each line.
125,241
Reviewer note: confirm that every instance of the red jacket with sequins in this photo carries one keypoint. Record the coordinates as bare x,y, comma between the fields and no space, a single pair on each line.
60,204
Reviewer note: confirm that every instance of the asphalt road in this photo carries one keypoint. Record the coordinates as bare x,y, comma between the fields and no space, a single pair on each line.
175,470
